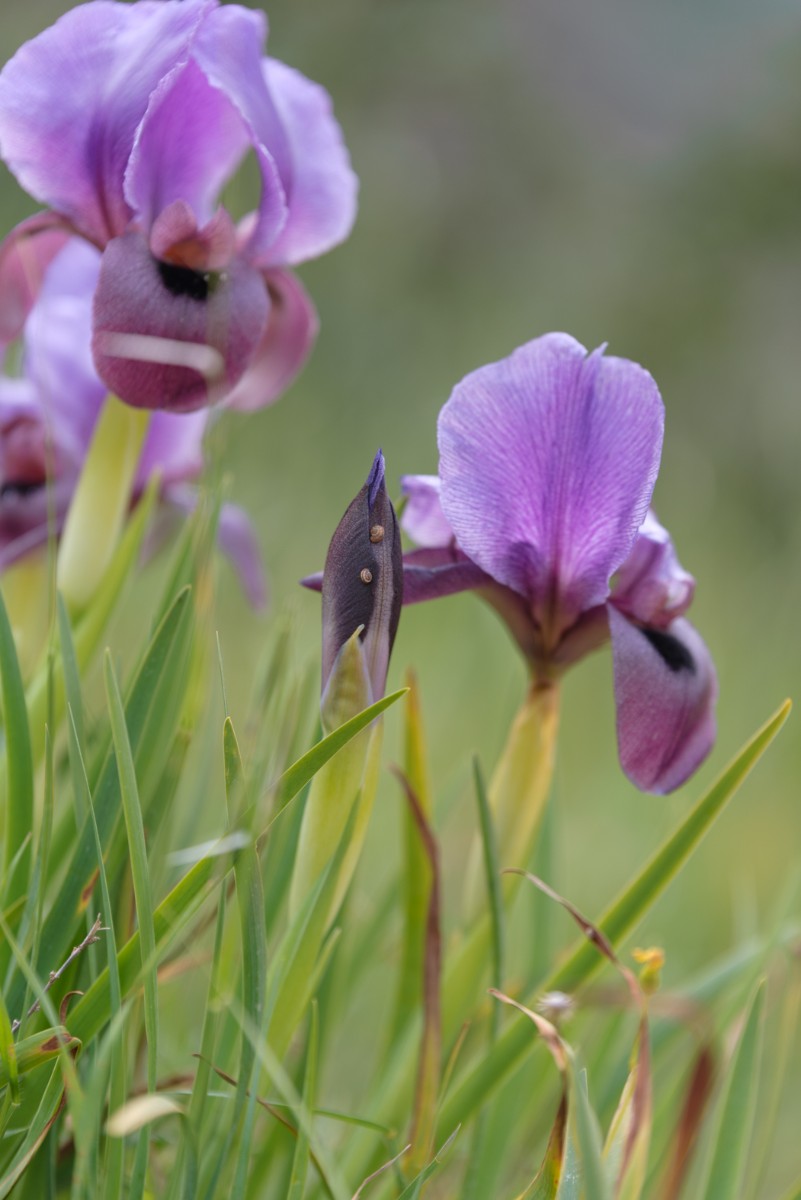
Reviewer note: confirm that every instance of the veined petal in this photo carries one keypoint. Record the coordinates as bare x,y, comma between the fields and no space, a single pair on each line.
286,344
423,519
665,690
168,337
190,141
652,587
548,460
322,187
25,256
72,98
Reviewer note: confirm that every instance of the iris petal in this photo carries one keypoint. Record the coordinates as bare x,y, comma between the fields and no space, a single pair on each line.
322,190
548,460
72,98
286,344
665,690
169,337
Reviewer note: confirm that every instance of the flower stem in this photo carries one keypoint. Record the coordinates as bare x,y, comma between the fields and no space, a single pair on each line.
97,513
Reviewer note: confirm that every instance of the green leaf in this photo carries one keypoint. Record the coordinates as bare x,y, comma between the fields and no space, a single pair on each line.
250,900
728,1163
588,1140
139,868
35,1134
19,774
9,1070
114,1158
416,872
618,920
415,1188
302,771
300,1162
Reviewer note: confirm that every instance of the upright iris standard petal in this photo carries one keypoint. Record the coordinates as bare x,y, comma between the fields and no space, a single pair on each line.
665,689
184,110
548,460
170,337
71,100
322,189
363,580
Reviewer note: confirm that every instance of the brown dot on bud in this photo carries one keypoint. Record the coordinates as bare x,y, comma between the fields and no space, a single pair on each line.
366,575
377,533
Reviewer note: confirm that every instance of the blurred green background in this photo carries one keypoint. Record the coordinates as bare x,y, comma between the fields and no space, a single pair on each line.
625,170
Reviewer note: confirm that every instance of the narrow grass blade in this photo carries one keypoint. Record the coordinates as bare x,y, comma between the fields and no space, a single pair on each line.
114,1157
19,774
414,1190
429,1063
46,1114
416,873
618,920
492,870
300,1162
302,771
588,1141
693,1111
139,868
9,1070
728,1163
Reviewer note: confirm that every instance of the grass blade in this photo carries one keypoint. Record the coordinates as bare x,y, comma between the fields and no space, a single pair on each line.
139,868
19,774
728,1163
300,1162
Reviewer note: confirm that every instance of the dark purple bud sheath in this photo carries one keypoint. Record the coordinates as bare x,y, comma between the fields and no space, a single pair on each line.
363,581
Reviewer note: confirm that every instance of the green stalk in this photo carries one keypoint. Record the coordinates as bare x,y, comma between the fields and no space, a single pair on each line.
100,504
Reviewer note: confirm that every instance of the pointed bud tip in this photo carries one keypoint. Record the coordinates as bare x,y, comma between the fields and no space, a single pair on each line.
375,480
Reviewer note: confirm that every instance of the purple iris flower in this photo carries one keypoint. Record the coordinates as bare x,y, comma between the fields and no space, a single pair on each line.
548,460
48,411
127,120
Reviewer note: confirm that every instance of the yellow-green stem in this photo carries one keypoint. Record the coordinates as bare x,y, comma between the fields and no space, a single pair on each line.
97,513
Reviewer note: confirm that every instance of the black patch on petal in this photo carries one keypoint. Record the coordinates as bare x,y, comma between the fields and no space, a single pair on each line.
673,653
181,281
19,489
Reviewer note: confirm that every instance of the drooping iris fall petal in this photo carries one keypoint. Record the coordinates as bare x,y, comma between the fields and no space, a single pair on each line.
665,691
169,337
